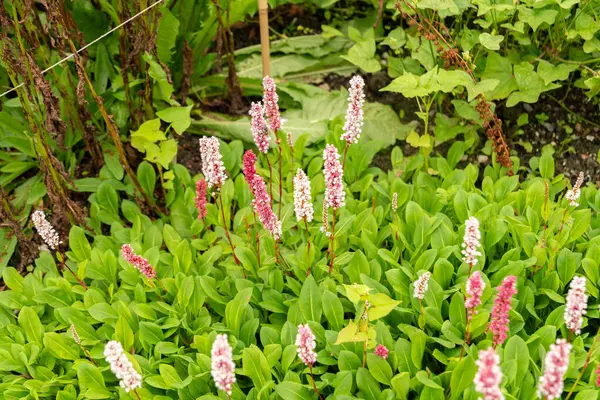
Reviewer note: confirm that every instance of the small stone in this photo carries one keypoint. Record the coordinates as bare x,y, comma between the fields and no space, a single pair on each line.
527,107
578,128
482,158
584,156
549,126
590,138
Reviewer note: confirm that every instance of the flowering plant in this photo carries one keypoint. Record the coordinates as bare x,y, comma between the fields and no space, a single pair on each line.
463,284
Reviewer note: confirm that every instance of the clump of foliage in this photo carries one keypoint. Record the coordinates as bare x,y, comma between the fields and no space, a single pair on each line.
379,297
292,266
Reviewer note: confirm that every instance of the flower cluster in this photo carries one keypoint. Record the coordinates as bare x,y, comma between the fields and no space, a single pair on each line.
121,366
421,285
325,226
395,202
576,304
382,351
302,198
259,128
249,166
598,376
45,229
573,194
471,241
262,203
201,198
556,364
334,186
475,286
499,321
306,344
138,262
212,163
488,377
271,106
354,114
75,335
222,365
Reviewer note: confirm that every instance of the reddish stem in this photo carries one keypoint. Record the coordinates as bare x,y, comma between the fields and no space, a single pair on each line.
308,240
332,243
229,237
314,384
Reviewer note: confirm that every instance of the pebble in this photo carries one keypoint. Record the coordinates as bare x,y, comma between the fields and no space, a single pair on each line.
590,138
527,107
549,126
578,127
482,158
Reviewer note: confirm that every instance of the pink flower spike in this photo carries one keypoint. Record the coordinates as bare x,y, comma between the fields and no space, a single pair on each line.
222,365
306,344
334,186
471,242
201,198
421,285
302,198
262,206
499,321
138,262
45,229
259,128
555,366
271,106
354,113
576,305
212,163
574,194
249,167
598,376
475,286
382,351
120,365
489,375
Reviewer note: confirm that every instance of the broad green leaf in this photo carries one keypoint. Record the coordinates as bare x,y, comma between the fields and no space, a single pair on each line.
310,300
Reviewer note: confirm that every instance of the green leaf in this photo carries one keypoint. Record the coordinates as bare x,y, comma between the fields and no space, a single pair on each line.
60,346
333,310
178,117
160,77
166,35
150,333
490,42
256,366
501,69
235,311
362,54
79,244
91,380
379,368
293,391
31,324
516,359
148,132
550,73
147,177
367,384
170,376
536,16
462,376
310,300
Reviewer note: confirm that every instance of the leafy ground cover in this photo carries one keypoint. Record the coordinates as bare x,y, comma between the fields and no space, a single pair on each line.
410,212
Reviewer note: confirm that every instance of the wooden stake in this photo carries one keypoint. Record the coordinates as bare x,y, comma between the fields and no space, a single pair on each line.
263,12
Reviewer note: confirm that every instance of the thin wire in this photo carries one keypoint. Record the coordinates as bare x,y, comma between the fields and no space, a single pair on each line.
87,45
